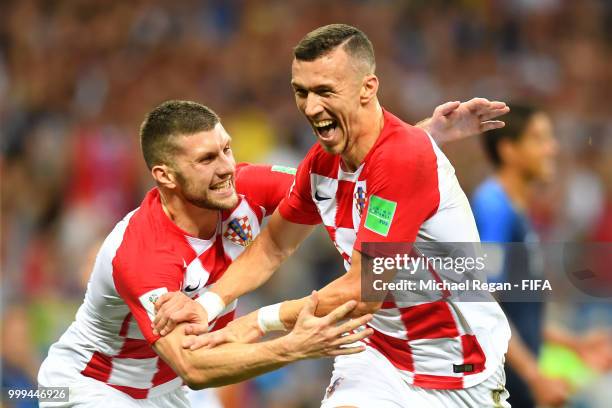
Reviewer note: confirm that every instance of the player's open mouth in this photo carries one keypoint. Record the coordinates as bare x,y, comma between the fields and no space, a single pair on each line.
325,128
223,188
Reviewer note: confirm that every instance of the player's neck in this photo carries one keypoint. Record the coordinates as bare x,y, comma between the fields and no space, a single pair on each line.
515,185
196,221
368,130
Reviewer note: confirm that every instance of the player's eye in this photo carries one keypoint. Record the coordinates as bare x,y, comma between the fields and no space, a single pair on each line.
227,149
324,91
206,159
300,93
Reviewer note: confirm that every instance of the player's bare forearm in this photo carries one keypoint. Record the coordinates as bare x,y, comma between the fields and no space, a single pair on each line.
226,364
249,271
258,262
347,287
424,124
311,337
330,297
277,241
234,362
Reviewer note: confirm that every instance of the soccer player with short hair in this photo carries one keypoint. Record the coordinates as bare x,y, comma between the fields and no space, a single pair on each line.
370,178
203,213
522,153
188,229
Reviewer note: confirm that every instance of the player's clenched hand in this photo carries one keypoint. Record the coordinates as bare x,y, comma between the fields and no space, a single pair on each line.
242,330
314,337
458,120
173,308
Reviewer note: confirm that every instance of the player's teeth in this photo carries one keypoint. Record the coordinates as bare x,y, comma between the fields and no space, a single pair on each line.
323,123
225,184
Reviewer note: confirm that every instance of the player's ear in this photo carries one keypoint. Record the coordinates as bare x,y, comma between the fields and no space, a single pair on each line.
369,88
507,151
164,176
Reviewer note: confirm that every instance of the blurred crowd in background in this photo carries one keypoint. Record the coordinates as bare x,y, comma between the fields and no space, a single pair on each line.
77,78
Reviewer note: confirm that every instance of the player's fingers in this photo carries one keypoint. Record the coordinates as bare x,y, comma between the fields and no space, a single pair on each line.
498,105
163,299
353,324
311,304
169,305
494,113
353,337
477,104
209,341
188,341
170,323
200,344
446,108
340,312
196,328
160,322
162,316
195,342
179,316
345,351
162,311
491,124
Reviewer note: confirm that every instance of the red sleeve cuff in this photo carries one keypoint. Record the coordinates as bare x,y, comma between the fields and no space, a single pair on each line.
298,216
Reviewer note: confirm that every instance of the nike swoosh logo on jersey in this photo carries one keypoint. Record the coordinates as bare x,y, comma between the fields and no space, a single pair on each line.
190,289
319,198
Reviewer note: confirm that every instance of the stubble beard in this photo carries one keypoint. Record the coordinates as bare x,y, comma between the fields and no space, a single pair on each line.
201,199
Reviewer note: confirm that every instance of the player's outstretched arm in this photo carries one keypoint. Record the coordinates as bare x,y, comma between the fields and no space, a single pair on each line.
346,288
456,120
277,241
282,316
312,337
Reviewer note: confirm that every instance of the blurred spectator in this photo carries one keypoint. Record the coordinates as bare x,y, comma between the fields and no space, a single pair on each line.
18,357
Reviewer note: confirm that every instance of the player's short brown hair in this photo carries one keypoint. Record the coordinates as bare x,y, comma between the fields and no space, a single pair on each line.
516,121
168,120
323,40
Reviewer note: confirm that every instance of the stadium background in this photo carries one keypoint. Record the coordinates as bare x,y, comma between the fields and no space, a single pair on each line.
77,77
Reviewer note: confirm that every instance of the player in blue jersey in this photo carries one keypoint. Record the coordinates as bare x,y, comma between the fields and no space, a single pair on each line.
523,154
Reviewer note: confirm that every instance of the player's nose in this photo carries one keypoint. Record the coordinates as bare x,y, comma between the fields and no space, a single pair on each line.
313,105
227,166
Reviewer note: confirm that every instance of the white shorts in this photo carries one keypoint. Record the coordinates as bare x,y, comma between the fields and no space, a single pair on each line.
368,379
85,392
206,398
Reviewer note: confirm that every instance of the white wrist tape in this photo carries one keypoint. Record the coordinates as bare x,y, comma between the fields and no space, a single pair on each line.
268,318
212,303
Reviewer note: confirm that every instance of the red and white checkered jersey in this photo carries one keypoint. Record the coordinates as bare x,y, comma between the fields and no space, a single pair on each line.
405,191
145,256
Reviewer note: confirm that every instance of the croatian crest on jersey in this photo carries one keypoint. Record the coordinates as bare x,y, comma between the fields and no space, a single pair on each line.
360,200
239,231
